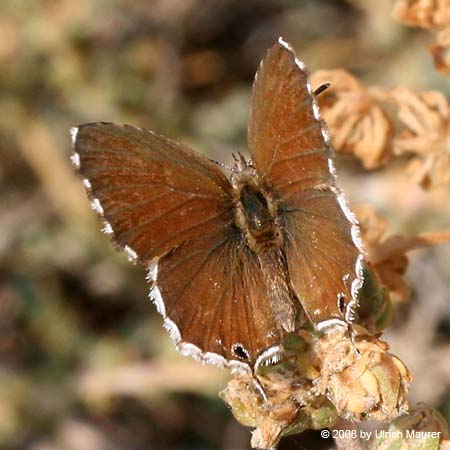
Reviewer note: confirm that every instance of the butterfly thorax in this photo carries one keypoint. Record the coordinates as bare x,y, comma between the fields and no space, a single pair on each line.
256,210
258,219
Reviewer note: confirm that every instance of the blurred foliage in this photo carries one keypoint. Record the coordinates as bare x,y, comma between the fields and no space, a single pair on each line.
84,362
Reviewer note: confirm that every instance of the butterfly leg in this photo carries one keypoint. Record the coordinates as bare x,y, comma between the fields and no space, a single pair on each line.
351,334
259,387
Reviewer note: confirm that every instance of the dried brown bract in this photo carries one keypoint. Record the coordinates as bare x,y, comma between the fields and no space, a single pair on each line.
355,118
387,256
422,13
361,123
440,49
389,263
433,15
371,384
426,118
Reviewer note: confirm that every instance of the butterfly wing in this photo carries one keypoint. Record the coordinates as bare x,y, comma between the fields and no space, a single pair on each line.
216,300
291,149
171,209
152,193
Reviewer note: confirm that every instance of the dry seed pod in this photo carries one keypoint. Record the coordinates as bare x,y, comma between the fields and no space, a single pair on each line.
423,428
422,13
371,384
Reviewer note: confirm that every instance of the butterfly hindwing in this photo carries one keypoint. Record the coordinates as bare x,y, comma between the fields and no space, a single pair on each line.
215,294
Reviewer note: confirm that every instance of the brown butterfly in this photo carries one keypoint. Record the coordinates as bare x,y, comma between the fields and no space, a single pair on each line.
234,264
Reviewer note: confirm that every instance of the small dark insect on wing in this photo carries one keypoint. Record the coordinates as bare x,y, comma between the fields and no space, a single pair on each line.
321,89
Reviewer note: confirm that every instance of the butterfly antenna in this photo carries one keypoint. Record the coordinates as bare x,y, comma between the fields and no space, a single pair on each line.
242,158
240,161
221,164
321,88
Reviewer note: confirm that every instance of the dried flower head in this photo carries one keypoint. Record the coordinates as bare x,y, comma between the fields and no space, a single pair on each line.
422,13
357,123
373,382
426,118
322,378
433,15
440,50
423,428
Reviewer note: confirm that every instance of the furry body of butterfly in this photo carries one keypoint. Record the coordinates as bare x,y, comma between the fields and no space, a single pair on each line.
234,264
257,215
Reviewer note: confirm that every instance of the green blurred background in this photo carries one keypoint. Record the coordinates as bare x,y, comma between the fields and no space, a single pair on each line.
84,362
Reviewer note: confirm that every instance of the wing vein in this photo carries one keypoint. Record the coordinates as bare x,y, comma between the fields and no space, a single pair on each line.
299,180
149,185
197,271
281,130
312,213
301,154
216,311
193,227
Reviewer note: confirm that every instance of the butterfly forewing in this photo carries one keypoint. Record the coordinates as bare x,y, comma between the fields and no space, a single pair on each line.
153,193
290,147
284,136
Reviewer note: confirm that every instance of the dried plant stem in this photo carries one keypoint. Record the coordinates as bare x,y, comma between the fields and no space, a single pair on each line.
347,443
397,245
